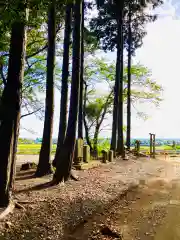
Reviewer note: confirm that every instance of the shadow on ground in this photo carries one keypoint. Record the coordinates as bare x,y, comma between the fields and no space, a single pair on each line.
149,211
45,220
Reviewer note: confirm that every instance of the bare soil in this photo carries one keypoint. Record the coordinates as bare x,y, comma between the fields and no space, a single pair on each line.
135,199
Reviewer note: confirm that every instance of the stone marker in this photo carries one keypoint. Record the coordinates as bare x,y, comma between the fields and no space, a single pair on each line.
111,155
104,156
86,153
78,151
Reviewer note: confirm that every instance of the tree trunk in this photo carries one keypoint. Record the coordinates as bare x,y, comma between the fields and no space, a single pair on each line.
64,86
128,140
84,119
95,140
120,140
44,165
10,110
66,155
80,117
99,123
117,80
87,134
15,143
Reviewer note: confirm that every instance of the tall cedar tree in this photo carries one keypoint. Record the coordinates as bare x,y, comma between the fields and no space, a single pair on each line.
107,29
66,155
120,140
64,86
10,108
128,140
119,19
44,166
80,117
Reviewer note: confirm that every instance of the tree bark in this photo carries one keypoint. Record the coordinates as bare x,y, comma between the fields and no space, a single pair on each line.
95,140
84,119
44,165
120,140
15,143
87,134
117,80
10,109
64,87
80,117
99,123
63,169
128,140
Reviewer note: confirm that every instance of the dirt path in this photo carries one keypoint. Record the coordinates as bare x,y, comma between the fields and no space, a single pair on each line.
149,212
28,158
149,207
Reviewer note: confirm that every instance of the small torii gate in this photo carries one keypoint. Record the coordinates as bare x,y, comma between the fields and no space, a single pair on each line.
152,145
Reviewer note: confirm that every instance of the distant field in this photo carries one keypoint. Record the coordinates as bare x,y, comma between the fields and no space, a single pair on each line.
29,149
163,147
34,149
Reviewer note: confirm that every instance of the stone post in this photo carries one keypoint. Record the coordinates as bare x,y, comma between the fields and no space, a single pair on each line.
111,155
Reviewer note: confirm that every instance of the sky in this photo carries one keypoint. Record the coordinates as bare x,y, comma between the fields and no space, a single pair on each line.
160,53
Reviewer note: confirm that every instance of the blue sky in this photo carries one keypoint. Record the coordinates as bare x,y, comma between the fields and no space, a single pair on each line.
160,53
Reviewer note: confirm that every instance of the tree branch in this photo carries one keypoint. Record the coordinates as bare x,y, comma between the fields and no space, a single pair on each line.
29,130
105,108
84,117
30,113
38,51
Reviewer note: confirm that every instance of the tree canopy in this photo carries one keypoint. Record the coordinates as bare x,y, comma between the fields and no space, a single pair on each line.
99,103
104,26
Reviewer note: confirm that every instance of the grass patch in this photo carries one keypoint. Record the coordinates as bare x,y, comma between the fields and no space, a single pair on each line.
163,147
34,149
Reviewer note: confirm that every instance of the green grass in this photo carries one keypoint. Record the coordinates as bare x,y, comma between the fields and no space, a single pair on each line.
164,147
34,149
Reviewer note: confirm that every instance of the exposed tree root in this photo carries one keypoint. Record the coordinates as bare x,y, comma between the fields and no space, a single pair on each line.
18,204
8,210
73,176
63,178
40,173
106,231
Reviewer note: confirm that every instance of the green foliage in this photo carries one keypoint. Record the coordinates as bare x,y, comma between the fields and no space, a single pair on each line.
90,41
94,109
143,86
35,66
144,89
36,53
103,145
25,141
104,26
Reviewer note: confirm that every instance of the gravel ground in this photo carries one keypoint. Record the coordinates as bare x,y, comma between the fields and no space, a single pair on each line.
149,212
28,158
53,213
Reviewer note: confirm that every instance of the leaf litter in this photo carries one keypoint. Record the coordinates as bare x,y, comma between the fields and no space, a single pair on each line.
55,213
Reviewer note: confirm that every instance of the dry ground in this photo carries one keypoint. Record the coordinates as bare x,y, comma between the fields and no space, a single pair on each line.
137,199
